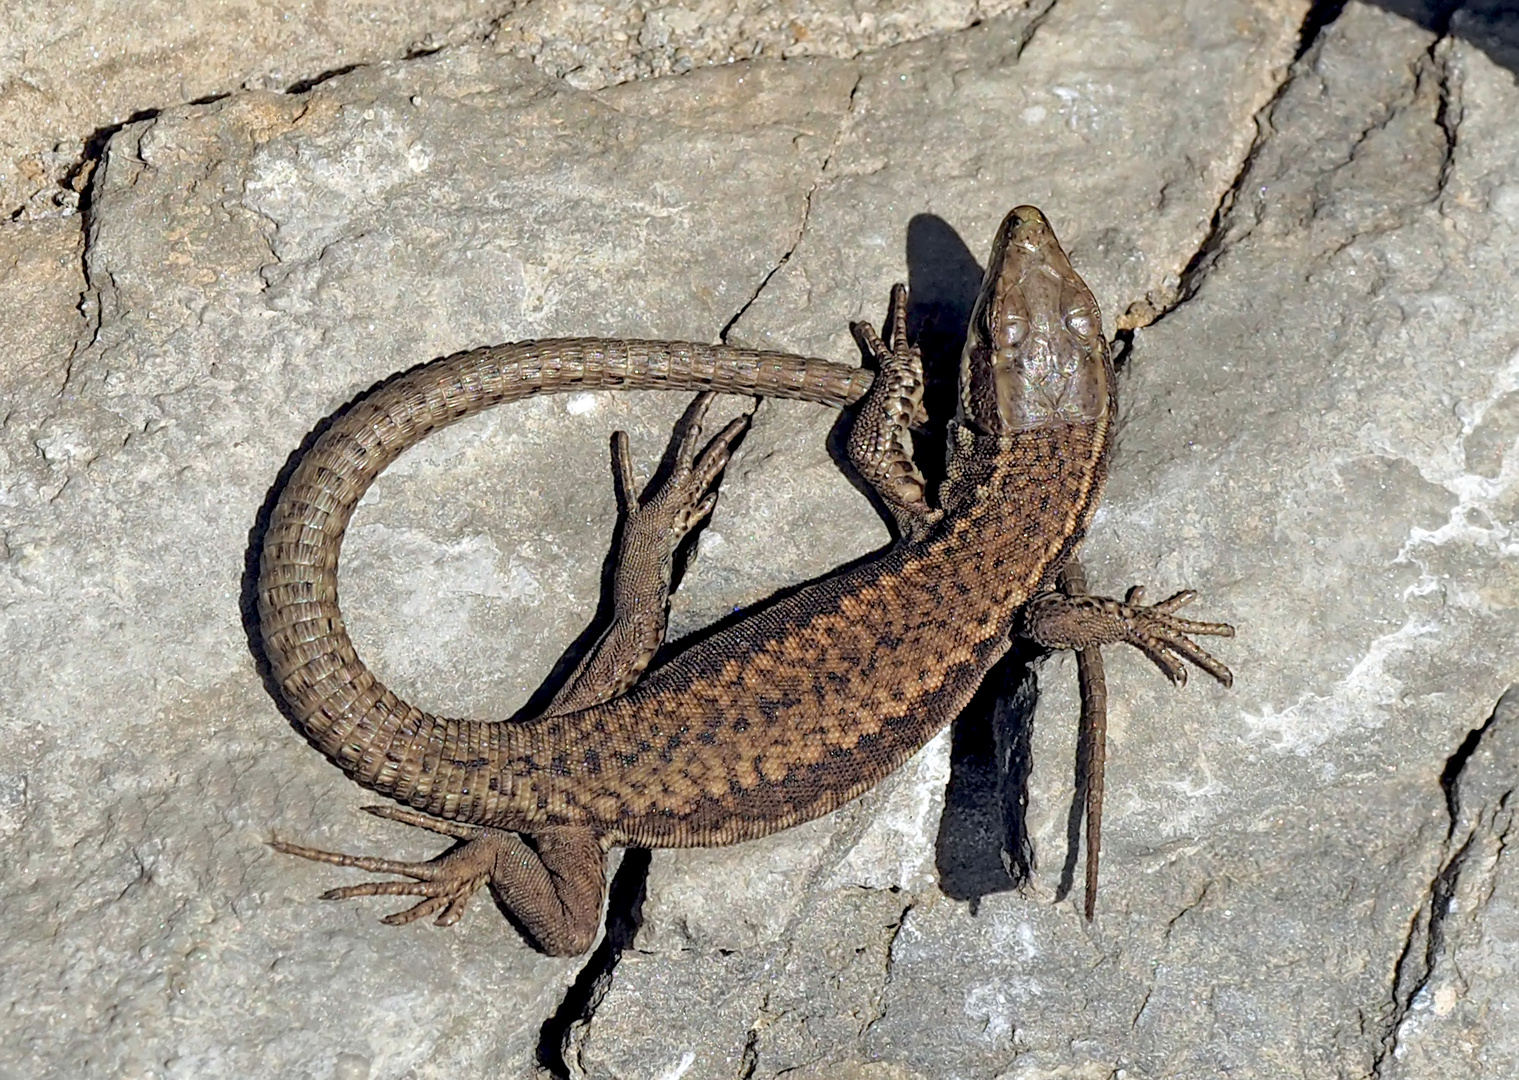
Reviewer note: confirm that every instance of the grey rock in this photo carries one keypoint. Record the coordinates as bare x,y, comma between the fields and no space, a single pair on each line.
1457,972
593,45
39,306
70,71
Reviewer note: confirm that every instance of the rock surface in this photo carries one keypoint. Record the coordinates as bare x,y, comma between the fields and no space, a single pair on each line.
72,73
1307,227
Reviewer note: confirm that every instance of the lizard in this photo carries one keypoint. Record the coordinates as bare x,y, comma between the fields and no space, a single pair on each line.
781,716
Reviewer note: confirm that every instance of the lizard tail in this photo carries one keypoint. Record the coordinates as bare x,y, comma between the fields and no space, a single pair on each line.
455,769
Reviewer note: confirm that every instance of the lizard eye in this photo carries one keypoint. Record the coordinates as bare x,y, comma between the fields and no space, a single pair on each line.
1014,331
1079,323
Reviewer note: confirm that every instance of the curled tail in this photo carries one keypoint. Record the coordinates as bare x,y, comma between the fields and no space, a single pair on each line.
455,769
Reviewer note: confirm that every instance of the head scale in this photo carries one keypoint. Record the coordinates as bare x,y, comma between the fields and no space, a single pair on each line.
1034,353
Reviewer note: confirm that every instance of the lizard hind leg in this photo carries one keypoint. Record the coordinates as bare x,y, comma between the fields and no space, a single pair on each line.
553,888
654,524
880,442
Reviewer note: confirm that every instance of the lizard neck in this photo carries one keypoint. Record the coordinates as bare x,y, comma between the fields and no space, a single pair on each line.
1021,501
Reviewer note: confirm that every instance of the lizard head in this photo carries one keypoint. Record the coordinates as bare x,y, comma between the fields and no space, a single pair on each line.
1034,352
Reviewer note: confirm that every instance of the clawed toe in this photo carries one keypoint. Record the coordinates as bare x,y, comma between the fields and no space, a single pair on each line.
1163,636
1078,622
445,882
555,888
687,496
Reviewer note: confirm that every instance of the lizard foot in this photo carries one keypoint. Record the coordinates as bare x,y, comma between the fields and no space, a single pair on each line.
554,887
653,527
688,494
880,442
1058,621
444,883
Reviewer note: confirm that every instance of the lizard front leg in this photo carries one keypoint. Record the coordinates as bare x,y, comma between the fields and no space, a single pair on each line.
554,880
1058,620
880,442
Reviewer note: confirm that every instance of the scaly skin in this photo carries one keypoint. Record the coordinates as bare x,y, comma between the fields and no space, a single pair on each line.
783,716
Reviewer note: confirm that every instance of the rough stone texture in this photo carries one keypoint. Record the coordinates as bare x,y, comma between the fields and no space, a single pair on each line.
40,268
69,71
1306,875
1455,985
597,44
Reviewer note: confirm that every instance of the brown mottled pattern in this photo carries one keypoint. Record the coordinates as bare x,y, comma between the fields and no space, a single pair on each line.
805,705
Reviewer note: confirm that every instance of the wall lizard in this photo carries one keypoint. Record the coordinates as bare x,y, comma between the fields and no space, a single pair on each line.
782,716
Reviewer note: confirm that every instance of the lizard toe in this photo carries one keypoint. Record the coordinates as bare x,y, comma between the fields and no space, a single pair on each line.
445,882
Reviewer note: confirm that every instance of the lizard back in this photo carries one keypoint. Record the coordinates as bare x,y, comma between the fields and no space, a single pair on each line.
814,699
